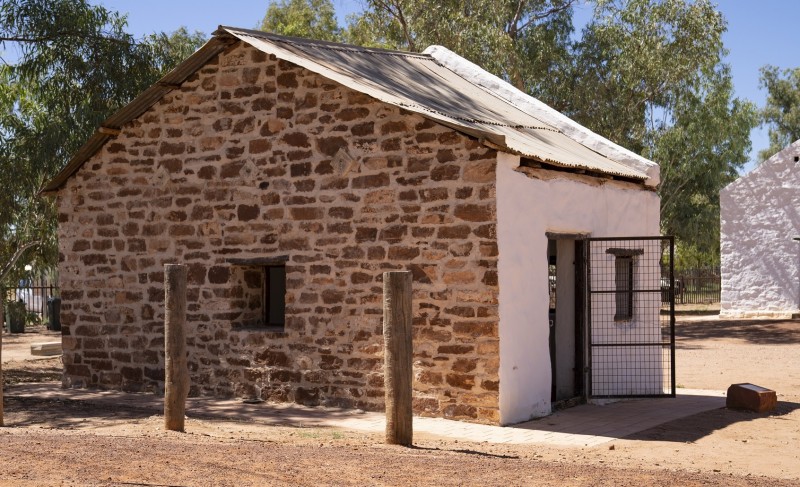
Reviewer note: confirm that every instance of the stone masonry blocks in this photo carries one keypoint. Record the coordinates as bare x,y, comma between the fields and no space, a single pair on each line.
255,157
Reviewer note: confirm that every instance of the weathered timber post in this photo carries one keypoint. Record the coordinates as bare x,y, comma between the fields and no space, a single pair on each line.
397,356
176,382
2,324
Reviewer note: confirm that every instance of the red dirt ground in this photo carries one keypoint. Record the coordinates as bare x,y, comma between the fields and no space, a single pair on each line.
73,443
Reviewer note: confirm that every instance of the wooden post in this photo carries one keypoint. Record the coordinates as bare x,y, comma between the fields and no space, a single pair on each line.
176,386
397,356
2,324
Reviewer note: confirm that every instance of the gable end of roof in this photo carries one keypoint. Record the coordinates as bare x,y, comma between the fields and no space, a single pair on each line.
438,85
111,126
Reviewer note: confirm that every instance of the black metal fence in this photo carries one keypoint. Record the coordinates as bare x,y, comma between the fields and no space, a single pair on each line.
35,293
696,286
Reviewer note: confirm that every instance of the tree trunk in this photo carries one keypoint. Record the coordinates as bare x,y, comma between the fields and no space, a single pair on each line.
176,386
397,356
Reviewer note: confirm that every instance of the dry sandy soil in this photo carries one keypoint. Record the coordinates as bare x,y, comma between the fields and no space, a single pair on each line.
72,443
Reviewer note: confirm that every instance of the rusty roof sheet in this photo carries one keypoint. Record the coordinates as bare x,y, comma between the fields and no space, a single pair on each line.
419,83
415,82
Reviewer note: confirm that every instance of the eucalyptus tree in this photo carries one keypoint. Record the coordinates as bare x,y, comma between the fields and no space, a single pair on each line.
649,75
782,112
66,66
313,19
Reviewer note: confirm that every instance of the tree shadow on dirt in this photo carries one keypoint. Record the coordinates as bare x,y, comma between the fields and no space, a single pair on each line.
763,332
695,427
65,414
34,371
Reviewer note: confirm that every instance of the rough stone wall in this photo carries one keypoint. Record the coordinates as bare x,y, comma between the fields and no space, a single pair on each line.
760,263
256,157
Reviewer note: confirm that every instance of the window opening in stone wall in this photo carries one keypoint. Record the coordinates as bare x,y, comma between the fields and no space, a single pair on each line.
260,290
274,298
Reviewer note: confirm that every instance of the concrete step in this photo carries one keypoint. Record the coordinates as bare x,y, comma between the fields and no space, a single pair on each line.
46,348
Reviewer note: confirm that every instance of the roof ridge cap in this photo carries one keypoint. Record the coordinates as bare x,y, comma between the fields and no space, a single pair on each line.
575,131
318,43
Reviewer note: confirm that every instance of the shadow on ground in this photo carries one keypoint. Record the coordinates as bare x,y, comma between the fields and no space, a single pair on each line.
283,414
693,428
32,371
463,451
762,332
66,414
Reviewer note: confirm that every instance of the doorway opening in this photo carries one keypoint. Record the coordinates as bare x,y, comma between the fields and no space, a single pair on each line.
566,284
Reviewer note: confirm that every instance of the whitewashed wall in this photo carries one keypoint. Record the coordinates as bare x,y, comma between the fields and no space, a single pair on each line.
760,214
527,208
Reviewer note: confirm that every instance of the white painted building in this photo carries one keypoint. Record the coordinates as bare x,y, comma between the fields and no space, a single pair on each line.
760,219
606,210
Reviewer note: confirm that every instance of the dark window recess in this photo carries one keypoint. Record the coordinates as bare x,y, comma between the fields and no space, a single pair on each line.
274,302
623,278
264,283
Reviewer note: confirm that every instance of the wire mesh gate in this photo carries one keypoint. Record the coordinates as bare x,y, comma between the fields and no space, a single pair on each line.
631,346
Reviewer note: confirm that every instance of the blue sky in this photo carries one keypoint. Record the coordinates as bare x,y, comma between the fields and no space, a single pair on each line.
759,32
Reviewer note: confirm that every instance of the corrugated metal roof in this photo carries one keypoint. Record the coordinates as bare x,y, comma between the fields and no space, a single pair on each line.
419,83
415,82
575,131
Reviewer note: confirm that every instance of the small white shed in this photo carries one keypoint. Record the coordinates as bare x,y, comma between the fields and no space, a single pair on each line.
760,246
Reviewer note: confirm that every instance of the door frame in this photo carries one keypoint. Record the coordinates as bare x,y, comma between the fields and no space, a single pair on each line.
580,330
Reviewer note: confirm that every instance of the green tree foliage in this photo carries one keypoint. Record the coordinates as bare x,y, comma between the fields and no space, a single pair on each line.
70,66
523,41
637,56
313,19
782,112
700,153
649,75
163,51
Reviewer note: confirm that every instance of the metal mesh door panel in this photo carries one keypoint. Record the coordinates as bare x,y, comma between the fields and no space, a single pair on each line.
631,333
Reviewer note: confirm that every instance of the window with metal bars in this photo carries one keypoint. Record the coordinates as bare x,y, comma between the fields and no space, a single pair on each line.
623,277
624,273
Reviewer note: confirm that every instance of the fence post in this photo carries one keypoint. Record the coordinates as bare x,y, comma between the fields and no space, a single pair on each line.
397,356
176,382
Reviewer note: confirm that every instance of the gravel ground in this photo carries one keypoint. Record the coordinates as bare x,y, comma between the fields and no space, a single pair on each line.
73,443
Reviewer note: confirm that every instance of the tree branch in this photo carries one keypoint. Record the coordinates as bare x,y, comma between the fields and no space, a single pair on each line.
16,257
512,26
402,19
59,35
395,11
544,15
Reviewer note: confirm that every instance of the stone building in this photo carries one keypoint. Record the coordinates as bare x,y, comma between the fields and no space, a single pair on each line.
288,175
760,240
